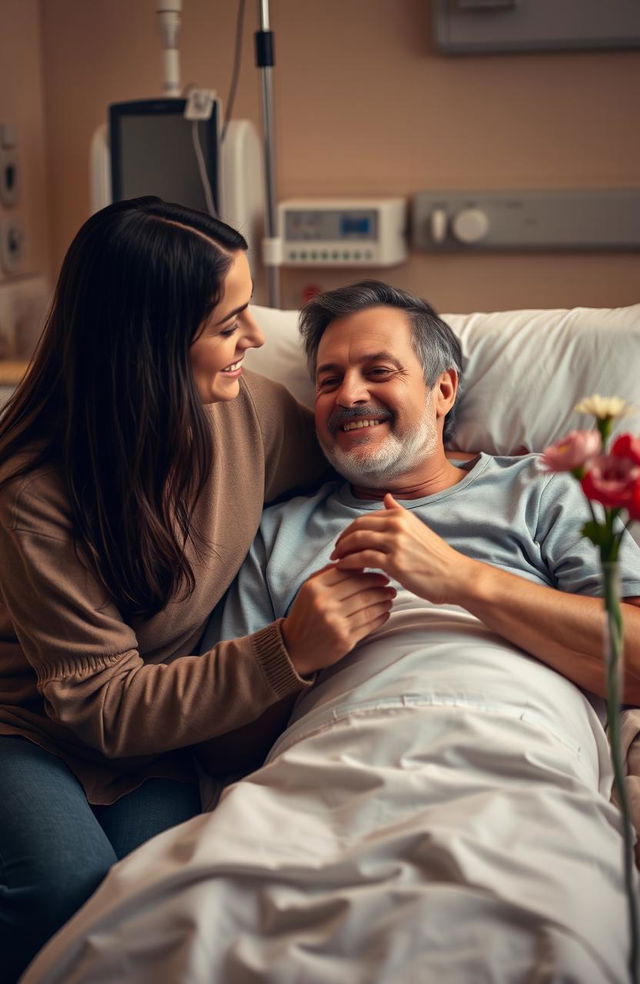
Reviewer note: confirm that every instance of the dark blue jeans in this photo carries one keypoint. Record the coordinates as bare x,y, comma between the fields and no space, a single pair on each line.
55,848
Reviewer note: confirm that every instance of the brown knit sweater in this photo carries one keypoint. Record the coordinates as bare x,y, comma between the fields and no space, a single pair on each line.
120,702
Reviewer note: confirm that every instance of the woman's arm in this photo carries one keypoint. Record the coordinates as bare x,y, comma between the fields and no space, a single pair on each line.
83,658
88,666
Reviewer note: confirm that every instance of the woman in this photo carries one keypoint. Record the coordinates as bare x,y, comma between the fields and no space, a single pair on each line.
134,463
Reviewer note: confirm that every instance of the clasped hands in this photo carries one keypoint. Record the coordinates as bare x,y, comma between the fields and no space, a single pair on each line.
341,604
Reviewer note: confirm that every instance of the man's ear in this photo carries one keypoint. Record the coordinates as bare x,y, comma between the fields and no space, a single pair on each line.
445,390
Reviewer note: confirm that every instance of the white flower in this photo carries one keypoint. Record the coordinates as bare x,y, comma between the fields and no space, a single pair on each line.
604,407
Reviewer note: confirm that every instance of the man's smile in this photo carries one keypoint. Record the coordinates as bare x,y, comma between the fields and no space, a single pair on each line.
357,424
356,418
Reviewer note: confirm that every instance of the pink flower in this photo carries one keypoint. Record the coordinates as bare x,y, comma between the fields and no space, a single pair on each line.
612,481
572,452
626,446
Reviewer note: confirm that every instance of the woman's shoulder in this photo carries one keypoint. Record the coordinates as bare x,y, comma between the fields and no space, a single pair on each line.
293,457
266,392
33,499
274,409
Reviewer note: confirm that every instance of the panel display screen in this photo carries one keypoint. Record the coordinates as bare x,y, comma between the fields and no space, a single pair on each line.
356,225
331,225
153,152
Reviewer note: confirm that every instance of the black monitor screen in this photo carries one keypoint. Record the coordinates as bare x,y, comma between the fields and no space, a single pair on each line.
153,152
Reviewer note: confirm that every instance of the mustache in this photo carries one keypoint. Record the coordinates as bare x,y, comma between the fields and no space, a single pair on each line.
338,418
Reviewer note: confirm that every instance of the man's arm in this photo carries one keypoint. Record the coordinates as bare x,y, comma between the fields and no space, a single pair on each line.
563,630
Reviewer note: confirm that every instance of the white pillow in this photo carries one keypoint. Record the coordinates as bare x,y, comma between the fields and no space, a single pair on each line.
281,357
524,371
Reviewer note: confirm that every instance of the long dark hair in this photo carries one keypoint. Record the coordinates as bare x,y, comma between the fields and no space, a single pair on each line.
110,401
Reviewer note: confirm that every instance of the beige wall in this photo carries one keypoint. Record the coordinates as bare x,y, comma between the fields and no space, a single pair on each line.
365,106
21,104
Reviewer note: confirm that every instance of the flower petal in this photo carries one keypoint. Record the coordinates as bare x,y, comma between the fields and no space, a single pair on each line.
604,407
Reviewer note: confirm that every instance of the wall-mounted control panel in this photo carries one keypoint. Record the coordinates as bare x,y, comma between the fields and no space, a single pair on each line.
564,219
481,26
343,231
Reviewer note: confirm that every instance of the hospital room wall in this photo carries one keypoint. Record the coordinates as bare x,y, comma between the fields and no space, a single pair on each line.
25,254
365,106
22,109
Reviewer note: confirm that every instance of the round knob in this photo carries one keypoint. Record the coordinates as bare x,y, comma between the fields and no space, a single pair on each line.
470,225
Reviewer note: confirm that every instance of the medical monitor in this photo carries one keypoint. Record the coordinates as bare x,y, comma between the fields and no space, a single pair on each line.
154,151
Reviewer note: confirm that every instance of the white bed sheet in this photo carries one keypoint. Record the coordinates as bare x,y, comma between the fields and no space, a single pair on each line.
404,836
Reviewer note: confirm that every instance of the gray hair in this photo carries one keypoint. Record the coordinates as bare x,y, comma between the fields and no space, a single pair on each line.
434,343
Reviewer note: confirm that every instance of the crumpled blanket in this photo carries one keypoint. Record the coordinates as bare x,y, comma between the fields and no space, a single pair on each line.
630,736
398,842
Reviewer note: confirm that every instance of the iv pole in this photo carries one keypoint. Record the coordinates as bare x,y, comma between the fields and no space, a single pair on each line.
169,12
271,246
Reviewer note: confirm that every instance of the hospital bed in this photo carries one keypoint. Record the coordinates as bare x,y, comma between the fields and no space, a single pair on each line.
263,890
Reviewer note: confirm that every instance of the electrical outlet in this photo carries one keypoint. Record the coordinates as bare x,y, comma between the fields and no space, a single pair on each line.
11,245
8,176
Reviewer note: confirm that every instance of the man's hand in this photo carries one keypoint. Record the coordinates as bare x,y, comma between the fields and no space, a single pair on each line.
332,612
394,540
561,629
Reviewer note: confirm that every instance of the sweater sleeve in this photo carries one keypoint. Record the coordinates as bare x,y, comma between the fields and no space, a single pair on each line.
90,673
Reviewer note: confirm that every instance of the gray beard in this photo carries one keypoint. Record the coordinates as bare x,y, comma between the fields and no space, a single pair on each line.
395,457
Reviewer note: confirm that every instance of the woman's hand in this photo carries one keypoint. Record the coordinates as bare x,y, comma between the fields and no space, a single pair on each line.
332,612
395,541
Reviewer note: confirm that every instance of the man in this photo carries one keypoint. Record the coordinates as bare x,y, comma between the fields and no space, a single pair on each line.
438,808
497,537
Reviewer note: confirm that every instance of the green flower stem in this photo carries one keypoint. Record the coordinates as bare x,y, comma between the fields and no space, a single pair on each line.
614,669
604,425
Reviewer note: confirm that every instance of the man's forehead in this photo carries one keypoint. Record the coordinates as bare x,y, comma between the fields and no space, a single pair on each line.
380,328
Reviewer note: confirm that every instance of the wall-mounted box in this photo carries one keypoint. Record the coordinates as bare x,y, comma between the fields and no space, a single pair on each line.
564,219
489,26
358,232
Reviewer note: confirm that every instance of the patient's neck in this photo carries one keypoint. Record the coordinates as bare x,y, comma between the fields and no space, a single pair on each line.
431,476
